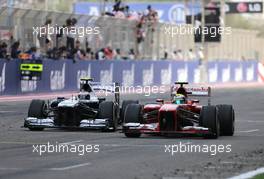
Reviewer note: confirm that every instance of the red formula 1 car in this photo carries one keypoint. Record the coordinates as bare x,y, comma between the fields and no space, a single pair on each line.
181,115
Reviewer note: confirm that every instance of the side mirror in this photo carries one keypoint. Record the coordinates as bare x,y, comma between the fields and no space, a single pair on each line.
160,100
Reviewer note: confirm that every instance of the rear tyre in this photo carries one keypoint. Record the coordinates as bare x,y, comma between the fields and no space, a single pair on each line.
226,116
106,111
208,119
37,109
132,115
125,103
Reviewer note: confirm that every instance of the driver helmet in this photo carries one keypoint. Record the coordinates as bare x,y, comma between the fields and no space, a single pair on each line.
179,99
84,96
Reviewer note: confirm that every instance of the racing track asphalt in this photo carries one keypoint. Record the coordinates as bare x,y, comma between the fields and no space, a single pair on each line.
142,158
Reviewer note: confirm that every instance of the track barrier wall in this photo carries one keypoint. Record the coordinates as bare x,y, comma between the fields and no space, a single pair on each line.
64,75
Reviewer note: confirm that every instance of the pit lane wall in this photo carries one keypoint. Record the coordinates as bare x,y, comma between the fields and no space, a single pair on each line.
64,75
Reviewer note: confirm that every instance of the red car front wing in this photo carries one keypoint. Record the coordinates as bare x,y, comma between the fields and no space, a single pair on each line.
154,128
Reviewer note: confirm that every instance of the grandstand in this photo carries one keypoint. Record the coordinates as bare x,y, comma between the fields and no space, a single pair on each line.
120,35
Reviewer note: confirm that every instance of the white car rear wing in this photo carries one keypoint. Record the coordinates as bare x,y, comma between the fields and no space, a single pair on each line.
112,88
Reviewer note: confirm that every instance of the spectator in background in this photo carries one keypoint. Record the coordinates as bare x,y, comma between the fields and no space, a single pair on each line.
119,10
3,50
15,49
87,46
62,53
131,54
200,55
100,54
89,53
165,55
49,42
120,14
149,10
152,17
108,52
126,11
78,52
70,36
92,56
33,53
174,55
45,40
179,55
190,55
140,33
59,36
117,54
117,5
133,15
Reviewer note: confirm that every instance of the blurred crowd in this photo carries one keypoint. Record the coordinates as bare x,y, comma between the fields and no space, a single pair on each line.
78,53
75,53
51,47
74,48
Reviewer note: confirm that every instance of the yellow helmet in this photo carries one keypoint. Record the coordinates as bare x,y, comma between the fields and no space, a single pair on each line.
179,99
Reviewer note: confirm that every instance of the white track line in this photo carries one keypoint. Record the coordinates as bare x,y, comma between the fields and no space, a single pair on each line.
140,145
227,162
72,142
249,131
256,121
23,143
249,174
249,121
3,168
6,111
53,169
32,143
70,167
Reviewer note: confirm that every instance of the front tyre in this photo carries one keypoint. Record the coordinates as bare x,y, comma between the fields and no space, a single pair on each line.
226,116
133,114
37,109
125,103
106,111
208,119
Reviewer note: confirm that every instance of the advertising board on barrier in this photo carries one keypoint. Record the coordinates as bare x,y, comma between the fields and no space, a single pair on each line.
64,75
173,12
222,72
2,78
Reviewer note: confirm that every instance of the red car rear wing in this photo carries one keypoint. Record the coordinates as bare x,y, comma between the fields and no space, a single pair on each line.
193,91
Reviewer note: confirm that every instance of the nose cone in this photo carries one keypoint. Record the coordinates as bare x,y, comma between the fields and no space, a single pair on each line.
169,107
